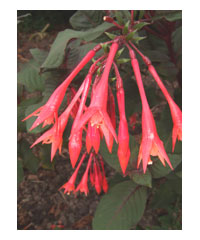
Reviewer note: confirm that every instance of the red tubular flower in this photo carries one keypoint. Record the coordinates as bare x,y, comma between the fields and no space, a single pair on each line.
48,112
96,113
83,187
104,181
97,176
89,138
70,185
123,135
75,142
54,135
92,138
175,110
92,176
69,99
151,143
75,145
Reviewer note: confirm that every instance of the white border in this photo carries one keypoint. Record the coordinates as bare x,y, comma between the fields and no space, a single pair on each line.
191,118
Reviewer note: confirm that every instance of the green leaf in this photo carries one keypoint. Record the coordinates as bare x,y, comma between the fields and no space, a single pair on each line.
158,170
141,14
156,56
45,157
140,25
29,159
20,172
94,33
138,39
38,55
125,29
167,70
75,54
117,178
118,54
86,19
112,158
110,35
57,52
177,39
123,60
179,174
132,104
130,35
20,89
126,14
141,178
119,17
121,208
174,16
105,47
166,193
21,126
170,15
30,77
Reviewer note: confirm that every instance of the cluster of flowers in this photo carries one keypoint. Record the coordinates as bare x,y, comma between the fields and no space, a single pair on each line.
98,119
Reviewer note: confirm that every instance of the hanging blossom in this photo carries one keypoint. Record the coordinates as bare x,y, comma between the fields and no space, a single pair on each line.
99,120
95,171
151,143
123,135
175,110
96,114
54,135
47,113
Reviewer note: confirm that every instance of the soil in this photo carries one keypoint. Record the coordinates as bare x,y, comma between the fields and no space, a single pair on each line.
41,205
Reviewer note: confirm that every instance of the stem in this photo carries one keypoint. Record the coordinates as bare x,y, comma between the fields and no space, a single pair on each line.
153,73
103,83
111,20
86,87
138,77
120,93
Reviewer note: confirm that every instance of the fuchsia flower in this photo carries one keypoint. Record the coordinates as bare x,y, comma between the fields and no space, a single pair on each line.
175,110
151,143
75,141
83,187
48,112
97,177
96,113
123,135
101,120
70,185
93,138
54,135
104,180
